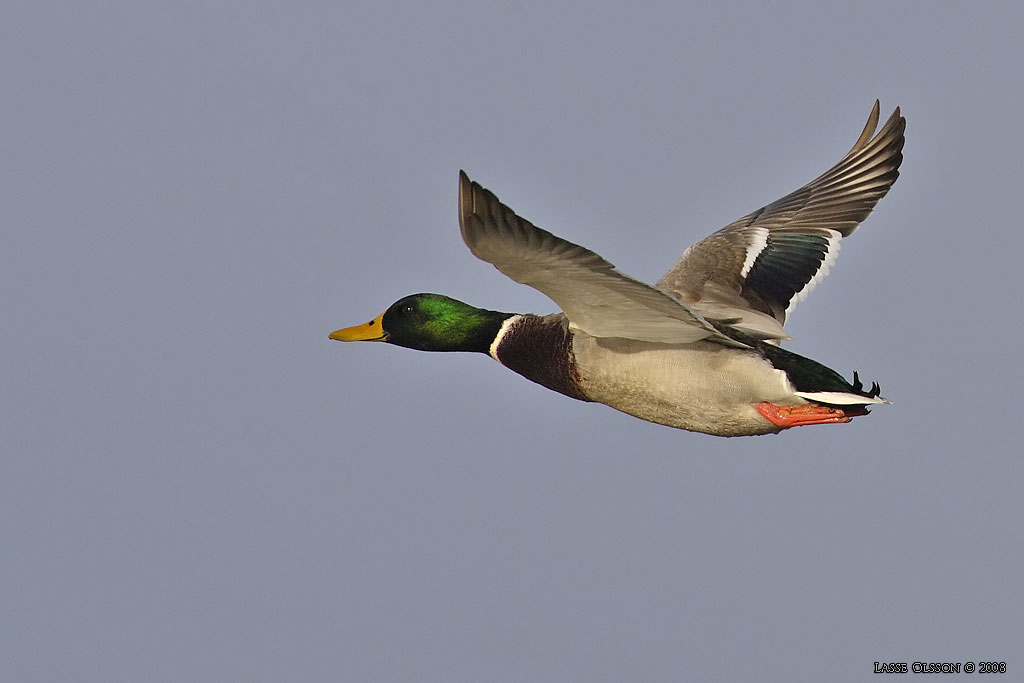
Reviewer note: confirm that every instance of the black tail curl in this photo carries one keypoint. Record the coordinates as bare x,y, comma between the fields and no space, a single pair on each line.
858,387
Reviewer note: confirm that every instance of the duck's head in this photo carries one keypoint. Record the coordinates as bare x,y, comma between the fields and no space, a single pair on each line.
430,322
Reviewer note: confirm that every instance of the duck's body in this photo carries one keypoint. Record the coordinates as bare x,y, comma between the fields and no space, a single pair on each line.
697,352
703,386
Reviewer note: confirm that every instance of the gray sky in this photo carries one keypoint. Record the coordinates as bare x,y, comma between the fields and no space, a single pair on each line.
196,484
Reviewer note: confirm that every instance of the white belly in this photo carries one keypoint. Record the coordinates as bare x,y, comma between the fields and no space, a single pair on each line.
703,387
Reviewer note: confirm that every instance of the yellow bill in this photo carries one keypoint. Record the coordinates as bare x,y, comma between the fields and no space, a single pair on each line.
371,331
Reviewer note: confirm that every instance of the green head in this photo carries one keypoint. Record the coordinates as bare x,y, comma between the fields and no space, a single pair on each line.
430,322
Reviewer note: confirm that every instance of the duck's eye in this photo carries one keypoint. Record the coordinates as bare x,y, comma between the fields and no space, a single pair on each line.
407,308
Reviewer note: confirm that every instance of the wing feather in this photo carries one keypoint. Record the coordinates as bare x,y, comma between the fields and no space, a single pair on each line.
595,297
773,257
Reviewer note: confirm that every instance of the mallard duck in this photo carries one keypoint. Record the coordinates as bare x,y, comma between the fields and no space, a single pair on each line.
699,350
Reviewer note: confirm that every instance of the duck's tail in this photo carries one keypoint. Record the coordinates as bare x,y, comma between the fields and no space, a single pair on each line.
814,382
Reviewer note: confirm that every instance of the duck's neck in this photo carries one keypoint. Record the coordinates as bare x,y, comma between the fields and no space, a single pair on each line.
480,331
540,349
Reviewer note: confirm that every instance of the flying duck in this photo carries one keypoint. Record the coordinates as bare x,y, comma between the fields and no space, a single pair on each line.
699,350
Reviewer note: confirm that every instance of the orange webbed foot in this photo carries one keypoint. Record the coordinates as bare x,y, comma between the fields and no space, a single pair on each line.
809,414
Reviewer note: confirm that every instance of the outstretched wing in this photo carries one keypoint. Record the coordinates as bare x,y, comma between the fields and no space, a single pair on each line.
772,258
595,297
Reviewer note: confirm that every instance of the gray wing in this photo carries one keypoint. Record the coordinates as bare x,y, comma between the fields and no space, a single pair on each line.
595,297
771,259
